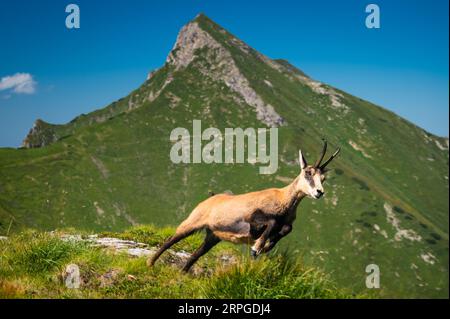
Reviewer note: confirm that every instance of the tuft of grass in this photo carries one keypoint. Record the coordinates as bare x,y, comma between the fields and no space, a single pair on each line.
279,276
34,253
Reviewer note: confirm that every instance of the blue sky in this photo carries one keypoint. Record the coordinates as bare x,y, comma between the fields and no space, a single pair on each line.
403,66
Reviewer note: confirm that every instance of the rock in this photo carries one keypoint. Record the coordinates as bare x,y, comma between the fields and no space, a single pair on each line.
116,243
108,279
151,74
71,276
131,277
176,258
3,238
140,252
66,237
182,254
137,250
41,134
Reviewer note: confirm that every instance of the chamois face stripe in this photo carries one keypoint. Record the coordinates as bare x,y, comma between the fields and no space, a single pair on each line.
310,181
309,178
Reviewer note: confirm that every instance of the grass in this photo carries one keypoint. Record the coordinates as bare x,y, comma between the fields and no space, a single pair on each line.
32,264
278,276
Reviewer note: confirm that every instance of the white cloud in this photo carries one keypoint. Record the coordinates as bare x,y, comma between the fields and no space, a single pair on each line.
20,83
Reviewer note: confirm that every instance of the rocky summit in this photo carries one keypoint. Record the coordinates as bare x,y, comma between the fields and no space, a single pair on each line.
386,199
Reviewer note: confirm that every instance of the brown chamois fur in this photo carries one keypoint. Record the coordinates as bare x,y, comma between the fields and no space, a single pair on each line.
259,218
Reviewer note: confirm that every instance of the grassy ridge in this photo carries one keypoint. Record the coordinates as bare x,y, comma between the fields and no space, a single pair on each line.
31,266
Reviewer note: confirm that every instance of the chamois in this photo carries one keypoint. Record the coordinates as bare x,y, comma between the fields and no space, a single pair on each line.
260,218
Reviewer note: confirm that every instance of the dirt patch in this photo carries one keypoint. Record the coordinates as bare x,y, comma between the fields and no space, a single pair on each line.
358,148
395,222
100,166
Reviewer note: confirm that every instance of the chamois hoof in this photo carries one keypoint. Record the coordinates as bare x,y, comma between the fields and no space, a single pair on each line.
186,269
150,262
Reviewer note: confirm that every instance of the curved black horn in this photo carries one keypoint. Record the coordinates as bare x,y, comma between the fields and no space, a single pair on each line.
324,150
330,159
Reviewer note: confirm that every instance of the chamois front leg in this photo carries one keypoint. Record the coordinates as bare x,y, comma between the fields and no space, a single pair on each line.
286,229
261,241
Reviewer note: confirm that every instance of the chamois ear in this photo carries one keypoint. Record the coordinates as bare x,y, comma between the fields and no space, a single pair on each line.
301,160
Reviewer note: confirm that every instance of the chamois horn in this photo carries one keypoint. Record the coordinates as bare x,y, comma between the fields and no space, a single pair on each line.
324,150
322,167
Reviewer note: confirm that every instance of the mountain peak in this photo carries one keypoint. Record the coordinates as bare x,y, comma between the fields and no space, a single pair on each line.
192,36
202,36
200,16
203,18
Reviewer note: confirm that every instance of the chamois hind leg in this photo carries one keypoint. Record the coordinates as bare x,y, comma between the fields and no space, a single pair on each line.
180,234
210,241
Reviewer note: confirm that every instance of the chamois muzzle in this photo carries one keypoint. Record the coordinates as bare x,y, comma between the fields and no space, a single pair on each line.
319,194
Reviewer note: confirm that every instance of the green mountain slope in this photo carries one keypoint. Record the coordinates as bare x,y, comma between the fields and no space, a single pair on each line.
386,199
